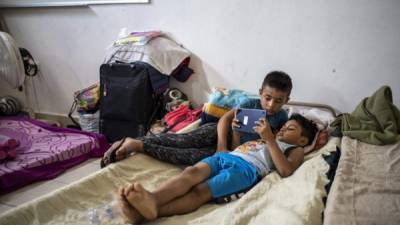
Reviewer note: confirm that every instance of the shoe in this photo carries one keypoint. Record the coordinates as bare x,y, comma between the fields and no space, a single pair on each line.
110,154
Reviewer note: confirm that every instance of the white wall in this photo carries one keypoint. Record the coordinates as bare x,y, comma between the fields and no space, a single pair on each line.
337,52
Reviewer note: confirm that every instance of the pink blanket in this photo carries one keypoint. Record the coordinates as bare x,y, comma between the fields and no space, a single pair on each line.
43,152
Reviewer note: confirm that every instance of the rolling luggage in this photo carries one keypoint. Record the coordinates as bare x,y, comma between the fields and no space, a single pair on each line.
128,104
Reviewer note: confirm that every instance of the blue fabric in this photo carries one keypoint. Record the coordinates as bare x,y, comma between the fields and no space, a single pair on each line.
229,174
233,99
276,121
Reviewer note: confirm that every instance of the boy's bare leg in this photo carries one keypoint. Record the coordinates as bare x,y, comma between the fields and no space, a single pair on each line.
147,203
130,214
187,203
182,183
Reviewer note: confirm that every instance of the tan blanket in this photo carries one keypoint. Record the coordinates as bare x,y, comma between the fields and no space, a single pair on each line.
366,188
293,200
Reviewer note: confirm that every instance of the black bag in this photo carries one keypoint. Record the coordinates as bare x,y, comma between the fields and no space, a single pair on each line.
127,102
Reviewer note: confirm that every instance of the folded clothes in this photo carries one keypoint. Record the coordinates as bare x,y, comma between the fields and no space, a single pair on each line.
8,147
229,98
214,110
138,38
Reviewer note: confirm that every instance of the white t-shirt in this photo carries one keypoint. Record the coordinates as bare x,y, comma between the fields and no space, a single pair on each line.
256,153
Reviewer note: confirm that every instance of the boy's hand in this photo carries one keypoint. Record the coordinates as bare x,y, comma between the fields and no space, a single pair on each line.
263,129
235,122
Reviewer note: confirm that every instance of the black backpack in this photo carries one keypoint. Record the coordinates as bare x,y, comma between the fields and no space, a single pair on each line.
128,104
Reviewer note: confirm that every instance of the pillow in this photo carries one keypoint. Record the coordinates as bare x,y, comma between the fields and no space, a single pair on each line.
321,138
319,116
322,118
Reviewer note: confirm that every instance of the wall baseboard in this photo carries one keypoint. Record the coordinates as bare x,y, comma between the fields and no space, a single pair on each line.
64,120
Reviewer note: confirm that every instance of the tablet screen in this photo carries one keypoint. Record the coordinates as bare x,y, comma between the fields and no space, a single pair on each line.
248,117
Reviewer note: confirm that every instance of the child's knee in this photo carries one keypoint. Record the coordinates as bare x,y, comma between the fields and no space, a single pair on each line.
202,192
191,173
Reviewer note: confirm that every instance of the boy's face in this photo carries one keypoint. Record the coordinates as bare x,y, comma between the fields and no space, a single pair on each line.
273,99
291,134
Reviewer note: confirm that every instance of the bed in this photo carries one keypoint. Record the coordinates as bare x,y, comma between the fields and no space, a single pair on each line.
43,151
297,199
294,200
366,188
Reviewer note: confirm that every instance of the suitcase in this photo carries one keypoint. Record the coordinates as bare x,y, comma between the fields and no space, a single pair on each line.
127,102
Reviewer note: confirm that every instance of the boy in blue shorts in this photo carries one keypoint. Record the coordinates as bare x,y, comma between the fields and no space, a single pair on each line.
223,173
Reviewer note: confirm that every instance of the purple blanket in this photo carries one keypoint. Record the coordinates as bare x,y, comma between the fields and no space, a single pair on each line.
44,151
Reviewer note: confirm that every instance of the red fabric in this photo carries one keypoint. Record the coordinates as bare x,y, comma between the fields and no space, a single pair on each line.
177,115
322,139
181,117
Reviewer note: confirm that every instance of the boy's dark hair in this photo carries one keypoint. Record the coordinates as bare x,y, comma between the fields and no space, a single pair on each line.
279,80
308,128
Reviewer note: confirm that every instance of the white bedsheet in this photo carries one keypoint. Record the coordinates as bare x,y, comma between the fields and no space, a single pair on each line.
293,200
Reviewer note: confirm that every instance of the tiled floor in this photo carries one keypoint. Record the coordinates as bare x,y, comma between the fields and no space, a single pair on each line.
38,189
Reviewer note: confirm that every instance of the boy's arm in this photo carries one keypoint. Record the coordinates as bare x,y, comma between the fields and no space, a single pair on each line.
223,127
235,139
284,165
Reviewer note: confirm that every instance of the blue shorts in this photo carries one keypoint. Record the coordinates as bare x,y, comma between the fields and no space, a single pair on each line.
230,174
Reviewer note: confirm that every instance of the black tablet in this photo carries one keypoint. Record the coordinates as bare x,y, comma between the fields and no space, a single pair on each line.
247,119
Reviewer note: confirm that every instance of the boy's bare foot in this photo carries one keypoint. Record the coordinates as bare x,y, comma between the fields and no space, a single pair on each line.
120,150
130,145
142,200
130,214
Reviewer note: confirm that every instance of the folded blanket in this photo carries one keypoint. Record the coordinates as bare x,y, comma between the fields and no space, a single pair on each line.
161,52
211,113
376,120
229,98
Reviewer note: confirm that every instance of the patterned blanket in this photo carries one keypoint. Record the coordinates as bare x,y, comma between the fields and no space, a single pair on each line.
44,151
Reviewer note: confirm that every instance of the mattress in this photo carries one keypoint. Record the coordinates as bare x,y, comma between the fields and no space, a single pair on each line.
44,151
274,200
366,188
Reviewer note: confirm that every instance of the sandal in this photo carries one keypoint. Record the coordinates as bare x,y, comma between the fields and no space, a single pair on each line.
110,154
